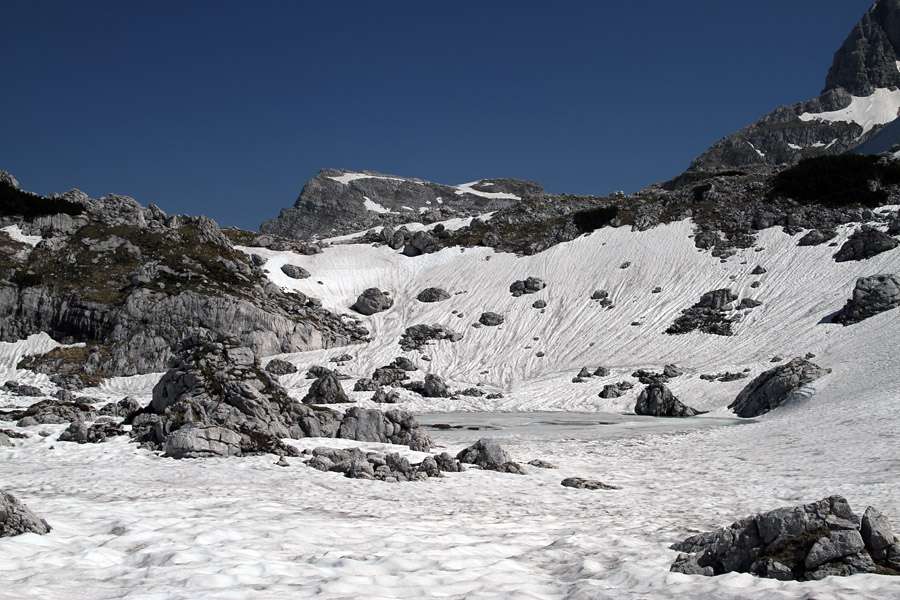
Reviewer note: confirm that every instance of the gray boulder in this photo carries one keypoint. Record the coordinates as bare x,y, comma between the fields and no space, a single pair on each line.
122,408
327,389
391,427
490,319
52,412
806,542
872,295
817,236
383,396
774,387
277,366
488,454
658,401
531,285
196,440
418,336
294,271
435,387
587,484
865,243
99,432
372,301
16,518
433,294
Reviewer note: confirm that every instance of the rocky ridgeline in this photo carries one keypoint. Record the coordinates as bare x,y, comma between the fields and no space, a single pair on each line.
801,543
866,61
216,400
128,281
337,202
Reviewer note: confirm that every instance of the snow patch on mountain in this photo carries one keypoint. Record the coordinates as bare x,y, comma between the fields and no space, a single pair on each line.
374,206
348,177
466,188
869,111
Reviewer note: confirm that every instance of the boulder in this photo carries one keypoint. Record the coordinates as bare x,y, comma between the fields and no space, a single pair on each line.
806,542
418,336
774,387
433,294
817,236
383,396
277,366
295,272
327,389
708,315
372,301
871,296
122,408
490,319
99,432
196,440
587,484
658,401
390,467
531,285
865,243
52,412
389,375
488,454
16,518
403,363
435,387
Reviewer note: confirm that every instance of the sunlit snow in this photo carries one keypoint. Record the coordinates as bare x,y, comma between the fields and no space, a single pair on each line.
869,111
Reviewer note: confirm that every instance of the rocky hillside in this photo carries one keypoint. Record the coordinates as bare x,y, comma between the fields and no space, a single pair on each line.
337,202
129,282
859,98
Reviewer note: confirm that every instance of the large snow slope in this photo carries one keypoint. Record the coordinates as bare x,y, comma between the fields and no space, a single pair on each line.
129,523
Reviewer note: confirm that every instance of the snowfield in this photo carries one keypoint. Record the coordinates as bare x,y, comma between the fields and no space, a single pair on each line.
129,523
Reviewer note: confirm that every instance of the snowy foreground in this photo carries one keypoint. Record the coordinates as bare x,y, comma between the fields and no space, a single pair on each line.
128,523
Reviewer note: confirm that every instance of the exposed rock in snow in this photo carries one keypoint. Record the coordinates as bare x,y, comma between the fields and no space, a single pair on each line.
871,296
774,387
707,315
817,236
294,271
418,336
865,243
327,389
52,411
587,484
802,543
490,319
390,467
433,294
531,285
16,518
488,454
99,432
372,301
277,366
658,401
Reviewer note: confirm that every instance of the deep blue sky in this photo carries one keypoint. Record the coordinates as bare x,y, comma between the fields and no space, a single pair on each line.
226,108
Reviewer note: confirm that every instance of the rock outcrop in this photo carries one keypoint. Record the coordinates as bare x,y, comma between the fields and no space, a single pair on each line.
418,336
337,202
801,543
708,315
871,296
16,518
774,387
389,467
326,389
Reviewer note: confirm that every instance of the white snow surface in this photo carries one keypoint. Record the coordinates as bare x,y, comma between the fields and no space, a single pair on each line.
16,234
348,177
466,188
867,111
374,206
129,523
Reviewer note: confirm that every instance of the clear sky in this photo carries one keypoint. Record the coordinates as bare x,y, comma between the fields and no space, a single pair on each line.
227,108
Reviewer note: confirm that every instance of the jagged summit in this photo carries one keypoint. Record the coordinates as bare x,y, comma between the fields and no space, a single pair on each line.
860,97
338,201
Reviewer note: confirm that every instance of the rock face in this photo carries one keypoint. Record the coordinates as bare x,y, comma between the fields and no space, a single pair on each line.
795,543
708,315
337,202
872,295
373,301
658,401
488,454
130,281
774,387
865,243
16,518
433,294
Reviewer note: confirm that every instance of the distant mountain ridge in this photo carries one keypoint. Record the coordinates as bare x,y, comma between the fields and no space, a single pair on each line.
860,97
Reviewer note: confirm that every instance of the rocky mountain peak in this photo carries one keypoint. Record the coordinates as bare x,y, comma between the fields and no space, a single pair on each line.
868,58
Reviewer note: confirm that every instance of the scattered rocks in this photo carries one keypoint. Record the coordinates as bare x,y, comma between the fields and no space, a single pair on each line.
278,366
490,319
16,518
708,315
99,432
389,467
724,377
587,484
488,454
122,408
18,389
602,298
384,396
615,390
295,272
372,301
865,243
433,294
774,387
658,401
418,336
871,296
52,412
802,543
531,285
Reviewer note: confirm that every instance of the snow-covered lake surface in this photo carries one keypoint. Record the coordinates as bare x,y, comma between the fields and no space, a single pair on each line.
129,523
